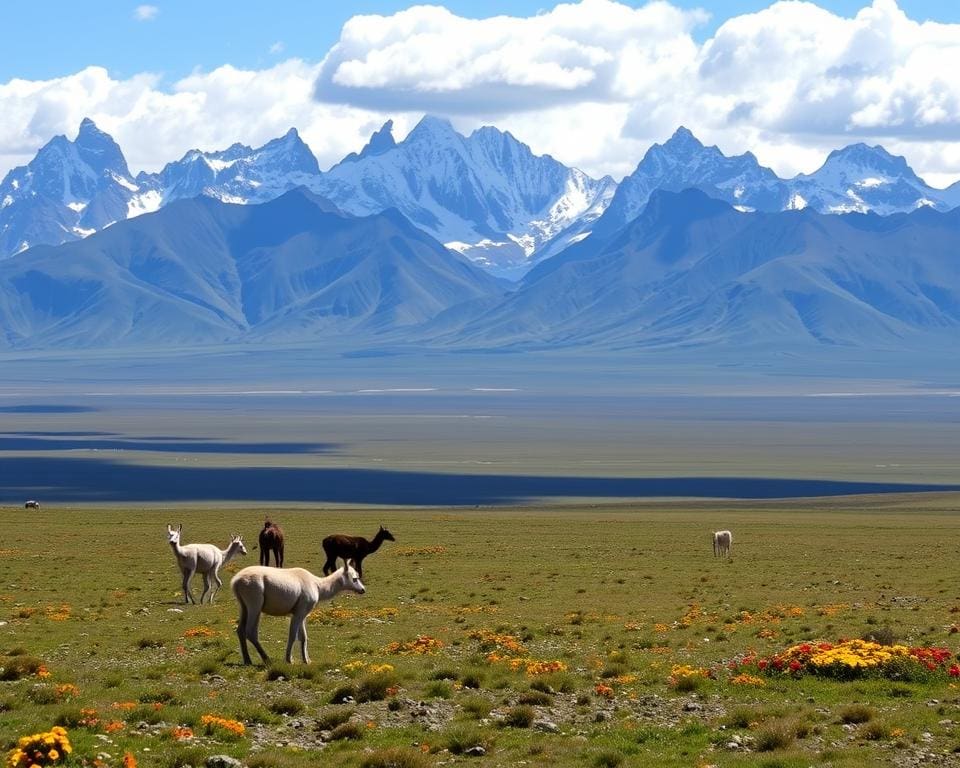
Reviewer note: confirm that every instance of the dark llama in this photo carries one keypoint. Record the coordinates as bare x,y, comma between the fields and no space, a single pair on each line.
352,548
271,540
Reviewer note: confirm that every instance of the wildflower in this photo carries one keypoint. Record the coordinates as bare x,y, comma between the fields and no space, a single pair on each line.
214,721
129,761
113,726
181,733
603,690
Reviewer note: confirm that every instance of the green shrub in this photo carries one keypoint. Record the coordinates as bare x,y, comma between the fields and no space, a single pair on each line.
286,706
438,689
19,666
777,734
347,731
521,716
374,687
856,714
875,731
342,694
477,707
330,717
536,698
608,758
460,738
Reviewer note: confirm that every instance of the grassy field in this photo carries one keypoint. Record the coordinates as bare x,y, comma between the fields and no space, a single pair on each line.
620,595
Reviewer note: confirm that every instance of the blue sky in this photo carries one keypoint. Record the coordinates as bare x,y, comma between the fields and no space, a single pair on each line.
43,39
593,83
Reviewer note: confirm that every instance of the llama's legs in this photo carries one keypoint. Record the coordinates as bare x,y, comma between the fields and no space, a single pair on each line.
187,594
279,555
206,588
253,622
358,562
303,640
242,633
293,634
217,582
331,565
264,555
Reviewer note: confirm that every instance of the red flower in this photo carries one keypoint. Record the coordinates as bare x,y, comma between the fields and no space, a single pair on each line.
762,664
954,670
795,666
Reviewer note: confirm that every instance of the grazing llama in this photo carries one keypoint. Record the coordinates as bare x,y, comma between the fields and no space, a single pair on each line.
32,504
291,591
722,543
208,559
352,548
271,540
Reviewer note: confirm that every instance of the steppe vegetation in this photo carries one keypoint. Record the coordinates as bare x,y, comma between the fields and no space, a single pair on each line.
603,635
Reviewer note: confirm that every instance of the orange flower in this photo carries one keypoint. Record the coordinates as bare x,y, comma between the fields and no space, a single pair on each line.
113,726
129,761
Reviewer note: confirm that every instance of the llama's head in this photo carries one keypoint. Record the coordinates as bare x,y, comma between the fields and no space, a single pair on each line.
351,579
173,535
384,534
236,541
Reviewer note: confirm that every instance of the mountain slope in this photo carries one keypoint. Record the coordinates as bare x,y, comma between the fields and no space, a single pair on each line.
692,270
486,195
201,271
69,190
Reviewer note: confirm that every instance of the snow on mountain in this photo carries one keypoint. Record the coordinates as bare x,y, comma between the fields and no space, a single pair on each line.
859,178
486,195
69,190
238,174
692,271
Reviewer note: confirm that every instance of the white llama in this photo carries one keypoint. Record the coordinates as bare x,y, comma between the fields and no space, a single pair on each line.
206,559
722,543
281,592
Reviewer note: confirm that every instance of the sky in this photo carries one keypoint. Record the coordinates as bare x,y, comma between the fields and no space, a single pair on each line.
594,83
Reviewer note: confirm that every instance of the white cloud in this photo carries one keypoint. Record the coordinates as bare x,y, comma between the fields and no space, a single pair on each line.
592,83
145,12
277,47
207,110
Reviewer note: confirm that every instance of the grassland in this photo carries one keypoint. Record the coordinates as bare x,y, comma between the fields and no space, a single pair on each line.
619,594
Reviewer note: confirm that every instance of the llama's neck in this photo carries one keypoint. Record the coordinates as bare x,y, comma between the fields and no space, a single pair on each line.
177,549
230,552
374,545
330,586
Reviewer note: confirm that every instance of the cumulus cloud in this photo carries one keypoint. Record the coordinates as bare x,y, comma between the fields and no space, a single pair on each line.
145,12
593,83
793,80
427,58
207,110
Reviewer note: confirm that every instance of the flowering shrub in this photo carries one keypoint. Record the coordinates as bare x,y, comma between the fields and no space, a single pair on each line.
533,667
212,722
200,631
88,718
852,658
66,691
603,690
39,749
491,641
421,646
746,679
113,726
181,733
681,673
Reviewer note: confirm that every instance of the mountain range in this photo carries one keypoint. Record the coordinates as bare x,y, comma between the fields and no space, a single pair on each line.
486,195
690,271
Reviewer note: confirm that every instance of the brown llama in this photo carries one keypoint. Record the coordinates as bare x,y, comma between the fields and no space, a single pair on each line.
271,540
352,548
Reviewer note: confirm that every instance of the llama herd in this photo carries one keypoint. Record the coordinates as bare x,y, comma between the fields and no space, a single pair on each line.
275,591
293,592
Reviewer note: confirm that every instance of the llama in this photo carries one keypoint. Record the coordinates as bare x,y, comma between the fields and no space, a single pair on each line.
208,559
291,591
722,543
271,540
352,548
32,504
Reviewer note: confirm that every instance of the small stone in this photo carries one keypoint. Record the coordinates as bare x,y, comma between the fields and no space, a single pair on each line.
476,751
174,610
733,745
547,726
692,706
223,761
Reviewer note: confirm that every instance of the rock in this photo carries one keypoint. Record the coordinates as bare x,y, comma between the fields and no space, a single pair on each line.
174,610
733,745
476,751
223,761
692,706
547,726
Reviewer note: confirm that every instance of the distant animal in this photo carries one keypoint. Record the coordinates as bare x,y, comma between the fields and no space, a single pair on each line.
722,543
291,591
271,540
32,504
352,548
206,559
